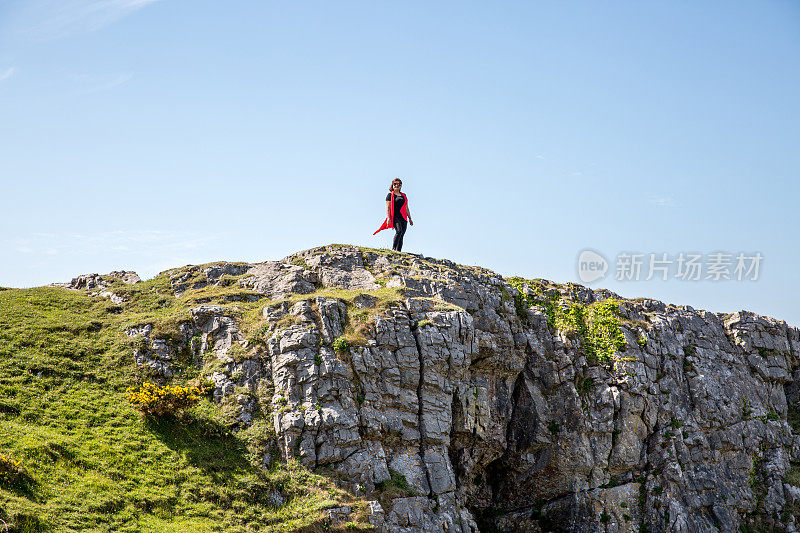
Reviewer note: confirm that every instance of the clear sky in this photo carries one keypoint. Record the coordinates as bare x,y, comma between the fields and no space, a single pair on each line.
149,134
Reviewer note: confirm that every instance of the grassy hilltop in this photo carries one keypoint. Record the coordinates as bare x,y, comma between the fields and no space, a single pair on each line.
76,456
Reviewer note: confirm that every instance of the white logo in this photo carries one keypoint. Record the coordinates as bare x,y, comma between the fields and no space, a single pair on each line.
591,266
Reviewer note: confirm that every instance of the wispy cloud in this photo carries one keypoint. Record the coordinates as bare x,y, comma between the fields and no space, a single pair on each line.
47,20
664,201
137,243
95,83
7,73
37,258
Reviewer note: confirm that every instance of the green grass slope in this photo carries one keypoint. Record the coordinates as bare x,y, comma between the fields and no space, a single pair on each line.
90,462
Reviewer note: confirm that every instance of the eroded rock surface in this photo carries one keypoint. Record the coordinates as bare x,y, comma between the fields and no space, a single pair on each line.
462,411
98,283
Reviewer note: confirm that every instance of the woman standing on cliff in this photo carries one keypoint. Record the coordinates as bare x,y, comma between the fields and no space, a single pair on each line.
396,214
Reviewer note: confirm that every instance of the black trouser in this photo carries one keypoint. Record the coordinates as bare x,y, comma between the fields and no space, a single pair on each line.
400,226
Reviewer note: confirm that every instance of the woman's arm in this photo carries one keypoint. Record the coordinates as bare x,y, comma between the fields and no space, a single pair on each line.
388,210
409,215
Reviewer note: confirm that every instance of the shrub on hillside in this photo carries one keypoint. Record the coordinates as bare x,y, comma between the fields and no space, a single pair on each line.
11,471
341,345
159,400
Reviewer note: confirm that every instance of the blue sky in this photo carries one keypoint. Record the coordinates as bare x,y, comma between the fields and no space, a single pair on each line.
148,134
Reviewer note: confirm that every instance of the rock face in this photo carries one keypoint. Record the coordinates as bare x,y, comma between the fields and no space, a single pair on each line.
99,283
465,408
96,281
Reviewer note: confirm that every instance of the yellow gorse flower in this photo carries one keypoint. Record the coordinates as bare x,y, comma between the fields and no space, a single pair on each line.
11,470
158,400
7,461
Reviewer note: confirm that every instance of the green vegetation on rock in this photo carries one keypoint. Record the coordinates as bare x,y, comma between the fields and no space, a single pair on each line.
395,487
596,325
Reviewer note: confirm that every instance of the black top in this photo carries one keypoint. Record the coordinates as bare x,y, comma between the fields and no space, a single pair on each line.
398,203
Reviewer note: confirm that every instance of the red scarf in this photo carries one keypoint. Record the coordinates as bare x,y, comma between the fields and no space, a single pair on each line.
389,222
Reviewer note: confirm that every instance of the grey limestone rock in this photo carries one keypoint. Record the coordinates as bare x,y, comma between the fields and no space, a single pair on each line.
276,279
98,284
128,277
460,410
153,353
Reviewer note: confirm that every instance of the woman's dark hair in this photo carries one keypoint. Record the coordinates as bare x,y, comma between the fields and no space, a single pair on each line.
391,187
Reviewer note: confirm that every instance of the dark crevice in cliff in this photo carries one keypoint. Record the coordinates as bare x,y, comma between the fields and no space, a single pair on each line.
317,447
347,456
420,418
614,432
498,470
358,389
453,452
519,437
792,355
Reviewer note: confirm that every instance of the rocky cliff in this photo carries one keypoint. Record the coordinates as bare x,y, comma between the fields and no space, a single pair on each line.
457,400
